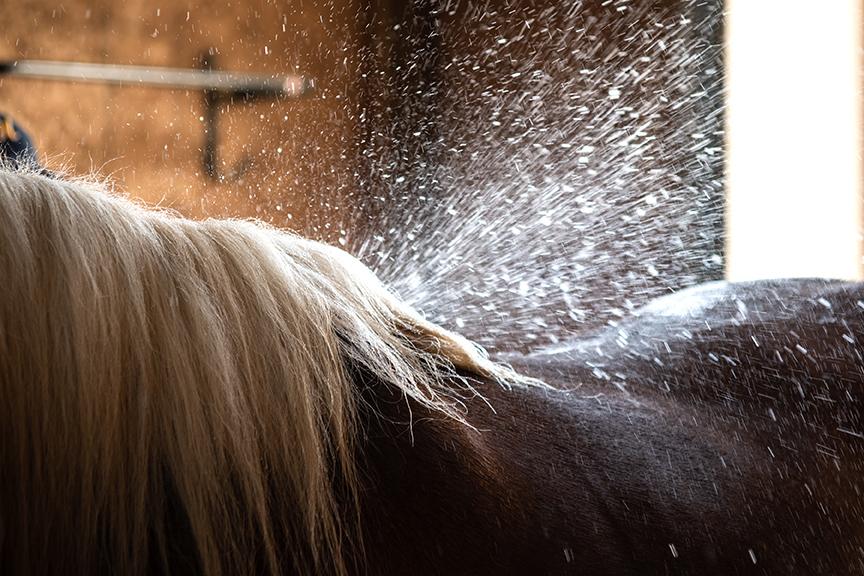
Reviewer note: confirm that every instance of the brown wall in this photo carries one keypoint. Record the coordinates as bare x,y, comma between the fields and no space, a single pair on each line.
150,140
423,105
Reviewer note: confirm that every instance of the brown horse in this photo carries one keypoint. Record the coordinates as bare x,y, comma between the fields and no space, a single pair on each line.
222,398
718,432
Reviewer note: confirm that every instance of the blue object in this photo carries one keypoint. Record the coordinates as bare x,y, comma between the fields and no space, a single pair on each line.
16,147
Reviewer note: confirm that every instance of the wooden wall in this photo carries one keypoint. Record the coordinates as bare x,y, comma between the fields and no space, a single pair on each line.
149,140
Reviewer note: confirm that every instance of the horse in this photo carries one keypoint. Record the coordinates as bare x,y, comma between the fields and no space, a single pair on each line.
222,397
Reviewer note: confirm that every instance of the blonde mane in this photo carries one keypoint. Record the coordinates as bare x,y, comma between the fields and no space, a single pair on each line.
147,359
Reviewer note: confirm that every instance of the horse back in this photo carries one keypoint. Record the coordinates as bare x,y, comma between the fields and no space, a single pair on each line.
717,431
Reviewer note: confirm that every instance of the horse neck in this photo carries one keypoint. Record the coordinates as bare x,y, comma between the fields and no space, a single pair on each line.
430,487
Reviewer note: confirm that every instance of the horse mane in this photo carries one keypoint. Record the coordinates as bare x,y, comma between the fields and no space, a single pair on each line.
156,370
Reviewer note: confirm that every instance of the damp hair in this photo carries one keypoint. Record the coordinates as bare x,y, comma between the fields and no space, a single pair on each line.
157,371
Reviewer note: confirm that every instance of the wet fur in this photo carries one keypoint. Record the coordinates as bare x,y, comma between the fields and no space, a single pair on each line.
160,413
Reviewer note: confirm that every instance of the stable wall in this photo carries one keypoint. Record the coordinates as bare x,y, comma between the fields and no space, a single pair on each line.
149,140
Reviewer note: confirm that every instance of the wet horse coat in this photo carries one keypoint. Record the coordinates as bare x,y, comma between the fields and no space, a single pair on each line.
718,432
222,398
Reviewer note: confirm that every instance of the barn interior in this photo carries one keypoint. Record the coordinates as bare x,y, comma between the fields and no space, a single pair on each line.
520,171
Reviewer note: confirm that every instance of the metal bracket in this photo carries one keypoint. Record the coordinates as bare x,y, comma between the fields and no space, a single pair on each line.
217,86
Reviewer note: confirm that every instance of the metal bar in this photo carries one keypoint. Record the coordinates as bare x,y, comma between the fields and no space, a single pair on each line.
234,83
